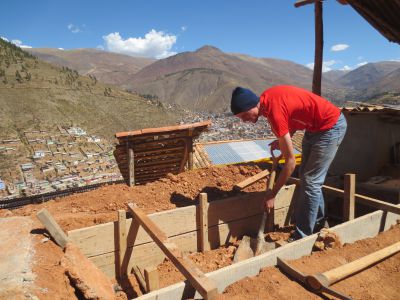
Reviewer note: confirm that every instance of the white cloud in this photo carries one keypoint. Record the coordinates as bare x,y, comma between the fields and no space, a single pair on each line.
183,28
19,44
395,59
3,38
326,65
362,63
339,47
156,44
360,57
60,48
346,68
74,28
100,47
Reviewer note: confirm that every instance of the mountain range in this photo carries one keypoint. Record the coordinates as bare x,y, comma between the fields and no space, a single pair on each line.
203,80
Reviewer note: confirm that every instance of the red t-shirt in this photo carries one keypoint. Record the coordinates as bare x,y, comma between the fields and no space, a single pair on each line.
289,108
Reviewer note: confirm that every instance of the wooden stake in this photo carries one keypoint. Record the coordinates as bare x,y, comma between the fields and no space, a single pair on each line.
199,281
152,279
131,166
203,222
122,269
52,227
349,197
251,180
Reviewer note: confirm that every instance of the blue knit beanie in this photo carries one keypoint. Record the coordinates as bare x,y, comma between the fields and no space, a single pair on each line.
243,100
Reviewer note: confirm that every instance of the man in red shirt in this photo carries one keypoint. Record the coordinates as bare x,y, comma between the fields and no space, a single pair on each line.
288,109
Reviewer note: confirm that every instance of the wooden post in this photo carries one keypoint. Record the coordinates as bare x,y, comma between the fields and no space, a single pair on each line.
203,222
52,227
190,160
122,269
131,165
152,279
319,46
349,196
198,280
271,214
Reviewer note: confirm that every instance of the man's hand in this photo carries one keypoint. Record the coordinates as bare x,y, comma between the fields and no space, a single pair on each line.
269,201
274,145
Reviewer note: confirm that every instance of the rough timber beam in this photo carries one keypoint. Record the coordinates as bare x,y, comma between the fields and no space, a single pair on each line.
201,283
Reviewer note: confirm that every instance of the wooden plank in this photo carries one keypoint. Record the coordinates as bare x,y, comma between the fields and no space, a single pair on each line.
360,199
100,239
349,197
52,227
165,129
149,254
131,167
360,228
152,279
202,284
122,266
251,180
203,222
303,2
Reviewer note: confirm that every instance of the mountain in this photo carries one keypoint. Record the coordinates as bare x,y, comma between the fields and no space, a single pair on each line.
108,67
334,75
204,79
35,94
367,75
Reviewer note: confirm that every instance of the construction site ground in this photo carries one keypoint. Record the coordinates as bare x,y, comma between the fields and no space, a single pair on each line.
40,274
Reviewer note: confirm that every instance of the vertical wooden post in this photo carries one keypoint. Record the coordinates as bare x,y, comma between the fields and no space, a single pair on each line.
122,269
152,279
131,163
349,196
271,214
190,160
319,46
203,222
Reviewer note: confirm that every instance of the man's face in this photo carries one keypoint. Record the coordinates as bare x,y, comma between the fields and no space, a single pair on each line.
250,116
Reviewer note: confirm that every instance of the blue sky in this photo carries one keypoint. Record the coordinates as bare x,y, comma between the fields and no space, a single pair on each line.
260,28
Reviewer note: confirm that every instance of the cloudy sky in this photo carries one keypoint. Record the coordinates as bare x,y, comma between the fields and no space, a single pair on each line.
158,29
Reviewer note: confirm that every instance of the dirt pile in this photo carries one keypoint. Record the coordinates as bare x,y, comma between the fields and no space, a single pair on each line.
100,206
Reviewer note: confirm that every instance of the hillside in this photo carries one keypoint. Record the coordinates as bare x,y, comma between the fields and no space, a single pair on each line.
35,94
204,79
108,67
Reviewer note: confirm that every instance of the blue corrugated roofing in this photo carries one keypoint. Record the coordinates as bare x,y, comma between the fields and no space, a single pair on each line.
237,152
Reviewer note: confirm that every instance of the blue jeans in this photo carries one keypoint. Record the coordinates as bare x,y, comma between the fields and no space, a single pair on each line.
319,150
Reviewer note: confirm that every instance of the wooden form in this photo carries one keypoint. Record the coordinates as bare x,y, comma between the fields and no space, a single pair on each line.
181,225
52,227
202,284
148,154
361,199
203,222
349,197
122,271
361,228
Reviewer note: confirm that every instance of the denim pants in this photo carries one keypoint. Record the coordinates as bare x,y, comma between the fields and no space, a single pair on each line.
319,150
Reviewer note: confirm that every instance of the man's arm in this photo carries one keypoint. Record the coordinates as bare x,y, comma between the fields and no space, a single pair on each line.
286,147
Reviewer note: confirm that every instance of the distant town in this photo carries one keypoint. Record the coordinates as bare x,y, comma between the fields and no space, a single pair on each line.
63,157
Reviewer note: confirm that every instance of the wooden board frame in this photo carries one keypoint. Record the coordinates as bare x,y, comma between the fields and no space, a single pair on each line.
100,243
360,228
